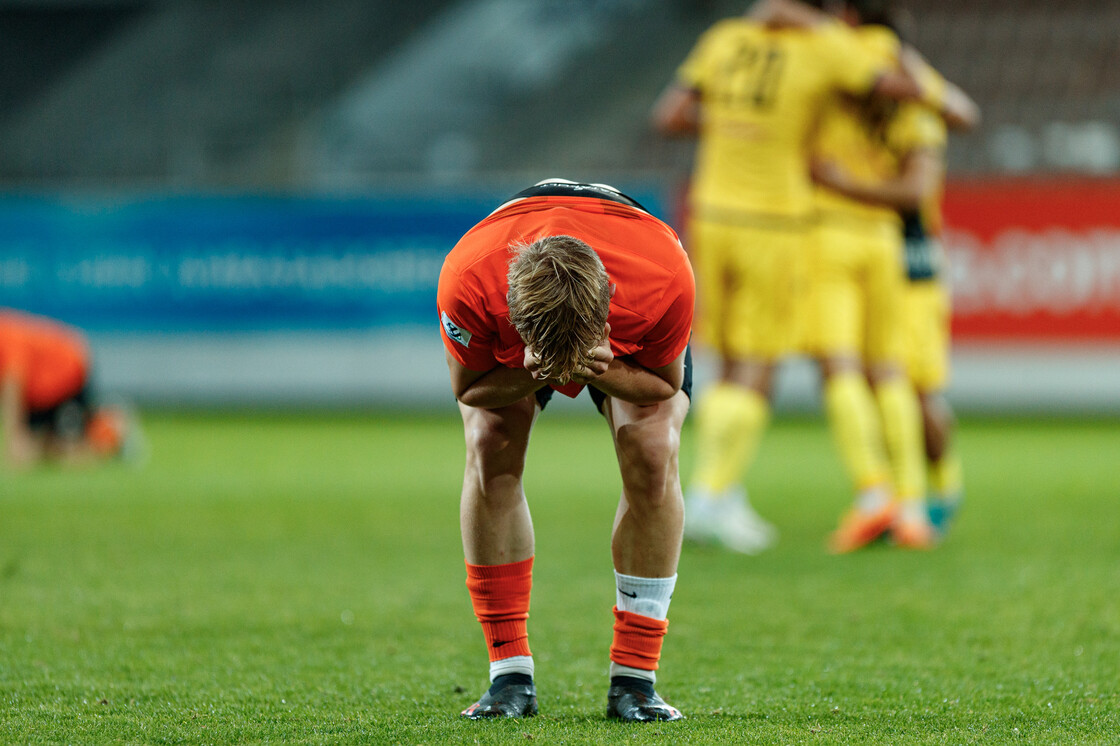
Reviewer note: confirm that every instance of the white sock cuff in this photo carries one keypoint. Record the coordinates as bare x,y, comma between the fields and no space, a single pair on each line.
646,596
617,669
516,664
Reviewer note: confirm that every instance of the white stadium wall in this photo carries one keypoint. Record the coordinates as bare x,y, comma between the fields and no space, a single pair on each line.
406,370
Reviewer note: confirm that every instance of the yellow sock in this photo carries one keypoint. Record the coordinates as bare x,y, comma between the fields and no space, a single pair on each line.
902,431
946,477
730,421
856,430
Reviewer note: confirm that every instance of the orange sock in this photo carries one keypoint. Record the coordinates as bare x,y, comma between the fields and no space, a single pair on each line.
500,596
637,640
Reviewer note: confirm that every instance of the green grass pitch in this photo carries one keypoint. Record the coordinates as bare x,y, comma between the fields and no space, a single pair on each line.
299,579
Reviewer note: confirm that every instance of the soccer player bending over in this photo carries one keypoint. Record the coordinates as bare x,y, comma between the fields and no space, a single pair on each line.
564,287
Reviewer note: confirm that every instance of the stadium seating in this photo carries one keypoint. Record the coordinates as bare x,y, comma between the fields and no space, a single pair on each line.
294,93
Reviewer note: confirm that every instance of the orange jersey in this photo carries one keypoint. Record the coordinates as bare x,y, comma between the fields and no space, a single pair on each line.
650,313
50,359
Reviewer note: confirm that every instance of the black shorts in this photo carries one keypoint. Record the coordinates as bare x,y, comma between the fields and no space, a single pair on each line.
66,420
545,395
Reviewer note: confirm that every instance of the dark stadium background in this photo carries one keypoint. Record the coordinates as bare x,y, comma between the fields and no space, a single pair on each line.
246,202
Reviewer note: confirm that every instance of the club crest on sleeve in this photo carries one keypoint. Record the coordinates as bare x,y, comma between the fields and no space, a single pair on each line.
462,336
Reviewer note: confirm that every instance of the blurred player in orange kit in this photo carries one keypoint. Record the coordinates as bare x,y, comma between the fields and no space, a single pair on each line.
570,286
46,407
752,89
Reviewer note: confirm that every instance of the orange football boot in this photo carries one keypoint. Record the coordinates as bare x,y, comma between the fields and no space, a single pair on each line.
914,533
859,528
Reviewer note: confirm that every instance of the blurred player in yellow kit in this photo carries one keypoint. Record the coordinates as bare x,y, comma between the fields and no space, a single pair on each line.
752,88
927,356
916,192
880,159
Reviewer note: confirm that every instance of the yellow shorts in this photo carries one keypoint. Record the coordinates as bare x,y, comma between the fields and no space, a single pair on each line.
750,288
927,336
856,292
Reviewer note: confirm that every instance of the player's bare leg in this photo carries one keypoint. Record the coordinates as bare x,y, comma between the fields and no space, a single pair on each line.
647,530
945,478
937,424
645,545
498,545
493,514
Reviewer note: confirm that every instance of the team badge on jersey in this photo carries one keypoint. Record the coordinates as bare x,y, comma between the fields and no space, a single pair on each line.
462,336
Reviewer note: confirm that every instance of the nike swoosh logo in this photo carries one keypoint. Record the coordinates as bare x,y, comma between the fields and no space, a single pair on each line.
499,643
630,595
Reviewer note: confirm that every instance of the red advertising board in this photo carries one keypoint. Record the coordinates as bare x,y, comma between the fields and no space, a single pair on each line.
1035,260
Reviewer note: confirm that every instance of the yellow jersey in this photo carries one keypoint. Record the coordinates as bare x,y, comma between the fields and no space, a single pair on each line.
761,90
869,139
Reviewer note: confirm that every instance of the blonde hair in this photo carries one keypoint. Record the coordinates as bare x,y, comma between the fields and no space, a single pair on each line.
559,296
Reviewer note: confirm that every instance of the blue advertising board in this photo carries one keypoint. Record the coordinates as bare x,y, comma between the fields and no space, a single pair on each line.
210,264
219,263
